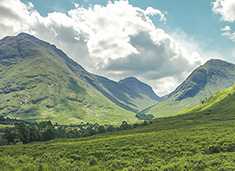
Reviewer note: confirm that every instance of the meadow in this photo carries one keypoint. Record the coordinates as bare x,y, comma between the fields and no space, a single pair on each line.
183,142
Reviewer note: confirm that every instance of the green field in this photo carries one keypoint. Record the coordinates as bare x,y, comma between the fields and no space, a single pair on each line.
184,142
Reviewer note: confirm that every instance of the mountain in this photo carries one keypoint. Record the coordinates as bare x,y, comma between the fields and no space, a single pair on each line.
40,82
219,106
135,85
131,91
207,79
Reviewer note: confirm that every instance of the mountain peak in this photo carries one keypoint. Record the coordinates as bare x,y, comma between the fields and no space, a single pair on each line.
135,84
208,74
217,63
27,36
128,79
213,60
204,81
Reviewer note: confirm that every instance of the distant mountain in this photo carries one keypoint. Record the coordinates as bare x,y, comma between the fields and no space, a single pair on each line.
40,82
135,85
131,92
207,79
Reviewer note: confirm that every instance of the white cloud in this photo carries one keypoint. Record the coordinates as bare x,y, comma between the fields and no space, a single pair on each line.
151,11
226,8
227,33
116,40
164,85
230,35
226,28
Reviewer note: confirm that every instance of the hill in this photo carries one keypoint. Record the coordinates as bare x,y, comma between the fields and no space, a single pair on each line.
219,106
207,79
40,82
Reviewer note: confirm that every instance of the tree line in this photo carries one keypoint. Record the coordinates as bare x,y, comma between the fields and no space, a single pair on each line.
23,132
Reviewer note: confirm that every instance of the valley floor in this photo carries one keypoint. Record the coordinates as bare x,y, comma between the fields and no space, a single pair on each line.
175,143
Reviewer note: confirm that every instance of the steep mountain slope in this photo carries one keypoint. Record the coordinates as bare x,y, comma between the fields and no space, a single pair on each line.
131,91
219,106
38,82
135,85
207,79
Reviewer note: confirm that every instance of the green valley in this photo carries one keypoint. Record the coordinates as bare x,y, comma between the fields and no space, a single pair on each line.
117,85
197,138
40,83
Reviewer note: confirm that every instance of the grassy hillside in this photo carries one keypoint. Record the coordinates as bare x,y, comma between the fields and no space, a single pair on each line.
184,142
207,79
39,82
222,102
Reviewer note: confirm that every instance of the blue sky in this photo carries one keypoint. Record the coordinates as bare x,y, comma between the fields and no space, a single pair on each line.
158,41
194,17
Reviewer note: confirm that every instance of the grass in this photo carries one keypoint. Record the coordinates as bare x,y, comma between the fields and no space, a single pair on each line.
220,102
184,142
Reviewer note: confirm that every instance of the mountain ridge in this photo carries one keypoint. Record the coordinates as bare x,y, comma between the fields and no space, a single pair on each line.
46,84
204,81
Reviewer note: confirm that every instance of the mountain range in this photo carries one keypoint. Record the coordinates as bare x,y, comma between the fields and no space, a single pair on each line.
38,81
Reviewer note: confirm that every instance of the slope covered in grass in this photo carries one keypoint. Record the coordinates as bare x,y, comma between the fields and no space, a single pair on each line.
220,104
184,142
40,82
207,79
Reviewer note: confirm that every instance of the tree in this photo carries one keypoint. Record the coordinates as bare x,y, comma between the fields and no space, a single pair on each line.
50,133
101,129
11,135
135,125
110,128
34,133
24,132
145,123
125,126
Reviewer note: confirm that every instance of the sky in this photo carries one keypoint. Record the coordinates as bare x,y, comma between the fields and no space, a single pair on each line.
160,42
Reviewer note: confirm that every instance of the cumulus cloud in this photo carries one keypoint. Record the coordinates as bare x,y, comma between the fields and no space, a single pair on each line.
226,28
116,40
226,8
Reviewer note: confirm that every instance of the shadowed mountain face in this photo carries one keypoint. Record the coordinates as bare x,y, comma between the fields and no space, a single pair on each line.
220,106
207,79
131,92
39,81
135,85
217,73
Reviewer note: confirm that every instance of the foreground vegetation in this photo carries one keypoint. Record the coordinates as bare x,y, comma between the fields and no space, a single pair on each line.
184,142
